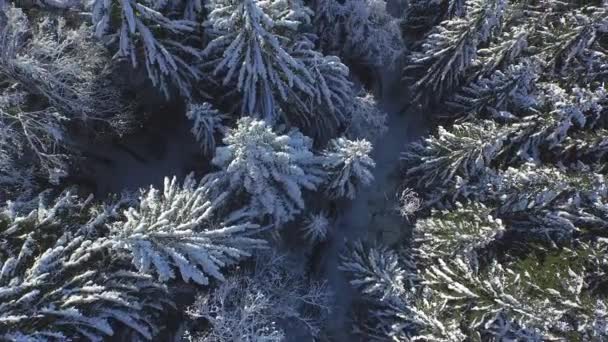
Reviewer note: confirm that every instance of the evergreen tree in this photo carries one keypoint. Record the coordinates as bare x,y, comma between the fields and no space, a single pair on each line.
266,170
366,120
359,30
451,48
57,283
263,49
251,46
509,244
175,230
144,31
317,228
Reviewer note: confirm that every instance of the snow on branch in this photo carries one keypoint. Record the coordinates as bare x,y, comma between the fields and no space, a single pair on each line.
264,304
360,30
451,48
143,31
174,230
57,284
206,123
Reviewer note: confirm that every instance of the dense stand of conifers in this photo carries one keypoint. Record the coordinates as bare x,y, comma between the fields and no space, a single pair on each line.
511,240
509,243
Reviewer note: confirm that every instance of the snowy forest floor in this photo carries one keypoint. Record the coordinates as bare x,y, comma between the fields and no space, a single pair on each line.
373,216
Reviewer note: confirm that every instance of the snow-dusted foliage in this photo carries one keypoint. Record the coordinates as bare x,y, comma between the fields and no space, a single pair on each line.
268,303
462,152
207,122
531,299
360,30
51,75
251,50
349,165
35,139
144,31
175,231
78,270
504,205
57,284
333,94
262,49
451,48
265,170
366,120
316,228
58,63
376,271
468,229
409,203
492,95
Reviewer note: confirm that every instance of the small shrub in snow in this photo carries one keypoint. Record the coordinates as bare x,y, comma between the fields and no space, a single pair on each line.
349,166
409,203
206,123
316,227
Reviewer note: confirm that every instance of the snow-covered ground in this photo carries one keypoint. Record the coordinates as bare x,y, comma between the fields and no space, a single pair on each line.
373,215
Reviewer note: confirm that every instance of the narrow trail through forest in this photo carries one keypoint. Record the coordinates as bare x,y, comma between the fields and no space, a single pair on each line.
373,216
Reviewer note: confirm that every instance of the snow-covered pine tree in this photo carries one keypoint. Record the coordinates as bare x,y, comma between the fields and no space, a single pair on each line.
67,270
176,230
451,48
358,30
264,50
266,170
574,35
58,284
530,299
491,96
349,165
250,48
547,202
271,302
384,280
512,247
144,30
333,95
377,272
421,15
465,230
465,151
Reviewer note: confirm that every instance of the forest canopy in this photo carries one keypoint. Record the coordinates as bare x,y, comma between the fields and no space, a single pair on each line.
303,170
